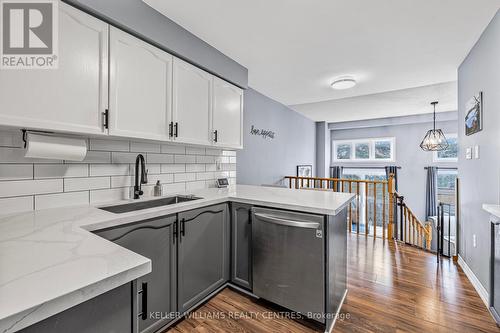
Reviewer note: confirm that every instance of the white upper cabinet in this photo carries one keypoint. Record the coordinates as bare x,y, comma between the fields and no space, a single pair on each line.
227,114
71,98
140,88
192,104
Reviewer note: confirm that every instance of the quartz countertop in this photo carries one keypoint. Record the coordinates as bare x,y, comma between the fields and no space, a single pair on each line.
492,209
51,261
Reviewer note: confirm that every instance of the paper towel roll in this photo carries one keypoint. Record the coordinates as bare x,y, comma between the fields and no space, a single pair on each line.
55,147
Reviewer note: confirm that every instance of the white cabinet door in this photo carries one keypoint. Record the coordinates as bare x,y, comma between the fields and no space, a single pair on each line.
71,98
227,114
140,88
192,104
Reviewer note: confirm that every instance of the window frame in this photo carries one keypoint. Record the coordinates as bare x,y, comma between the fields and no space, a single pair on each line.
437,159
371,146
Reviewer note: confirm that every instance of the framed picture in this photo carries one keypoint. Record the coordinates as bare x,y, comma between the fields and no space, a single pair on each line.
304,170
474,116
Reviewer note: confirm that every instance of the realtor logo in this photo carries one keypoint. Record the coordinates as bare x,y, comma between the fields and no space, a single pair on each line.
29,34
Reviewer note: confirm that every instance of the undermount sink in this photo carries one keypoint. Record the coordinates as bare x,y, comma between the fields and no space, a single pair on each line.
129,207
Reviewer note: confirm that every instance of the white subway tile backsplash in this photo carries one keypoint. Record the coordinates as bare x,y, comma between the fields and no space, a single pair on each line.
229,153
163,178
184,177
205,159
232,159
61,170
61,200
173,149
174,188
109,170
173,168
160,158
16,188
210,167
95,157
185,159
214,152
105,175
16,155
123,158
195,151
115,194
16,171
16,205
195,167
87,183
145,147
192,186
122,181
109,145
204,175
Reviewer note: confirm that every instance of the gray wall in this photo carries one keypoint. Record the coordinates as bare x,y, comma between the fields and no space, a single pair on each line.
322,149
139,19
412,159
479,179
266,161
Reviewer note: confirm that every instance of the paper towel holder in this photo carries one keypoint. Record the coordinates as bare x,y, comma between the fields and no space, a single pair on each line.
25,134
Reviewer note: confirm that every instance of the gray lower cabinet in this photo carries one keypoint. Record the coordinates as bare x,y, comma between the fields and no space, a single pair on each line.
203,259
241,245
156,291
107,313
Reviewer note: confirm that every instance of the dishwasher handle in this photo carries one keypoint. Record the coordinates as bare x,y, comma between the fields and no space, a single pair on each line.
287,222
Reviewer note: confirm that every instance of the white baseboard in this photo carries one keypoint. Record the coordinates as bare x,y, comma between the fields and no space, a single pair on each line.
483,293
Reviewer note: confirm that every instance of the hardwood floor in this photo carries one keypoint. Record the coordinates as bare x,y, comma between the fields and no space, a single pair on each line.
392,288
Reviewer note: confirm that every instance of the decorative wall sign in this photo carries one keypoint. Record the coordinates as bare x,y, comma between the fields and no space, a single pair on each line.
265,134
474,116
304,170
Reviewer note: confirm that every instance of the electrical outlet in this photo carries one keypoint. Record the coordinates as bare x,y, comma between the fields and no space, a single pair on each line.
468,153
474,240
218,165
476,152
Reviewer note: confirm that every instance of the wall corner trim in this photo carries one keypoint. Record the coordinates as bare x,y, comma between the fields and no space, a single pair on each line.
483,293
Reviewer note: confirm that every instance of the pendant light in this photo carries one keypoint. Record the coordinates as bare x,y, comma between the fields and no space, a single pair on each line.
434,139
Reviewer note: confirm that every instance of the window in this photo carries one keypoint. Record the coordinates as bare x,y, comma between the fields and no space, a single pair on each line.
343,152
446,187
450,154
374,149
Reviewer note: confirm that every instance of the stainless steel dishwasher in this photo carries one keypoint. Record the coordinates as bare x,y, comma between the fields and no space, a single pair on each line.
289,259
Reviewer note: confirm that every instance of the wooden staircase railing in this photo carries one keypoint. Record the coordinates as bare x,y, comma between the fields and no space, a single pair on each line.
374,208
412,230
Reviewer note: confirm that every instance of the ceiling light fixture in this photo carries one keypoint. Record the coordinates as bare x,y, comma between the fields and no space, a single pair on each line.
434,139
343,83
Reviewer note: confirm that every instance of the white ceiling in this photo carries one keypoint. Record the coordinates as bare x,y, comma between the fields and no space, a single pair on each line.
389,104
294,48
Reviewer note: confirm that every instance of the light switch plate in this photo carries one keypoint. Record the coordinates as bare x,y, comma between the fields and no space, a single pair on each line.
468,153
476,152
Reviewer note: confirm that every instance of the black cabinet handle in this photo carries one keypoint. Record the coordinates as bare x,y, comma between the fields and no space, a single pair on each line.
170,129
105,115
144,296
183,227
216,135
176,129
175,231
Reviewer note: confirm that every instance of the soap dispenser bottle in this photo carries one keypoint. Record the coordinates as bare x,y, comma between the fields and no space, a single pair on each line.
158,189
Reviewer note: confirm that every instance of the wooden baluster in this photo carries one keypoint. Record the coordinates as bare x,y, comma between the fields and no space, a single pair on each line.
290,182
308,185
405,211
428,236
350,208
296,183
341,186
384,211
421,238
301,182
374,210
391,190
357,206
414,228
366,209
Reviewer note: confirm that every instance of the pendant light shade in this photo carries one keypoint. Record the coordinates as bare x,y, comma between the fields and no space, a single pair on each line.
434,139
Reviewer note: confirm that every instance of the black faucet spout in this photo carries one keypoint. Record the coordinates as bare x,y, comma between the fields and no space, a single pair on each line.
140,162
